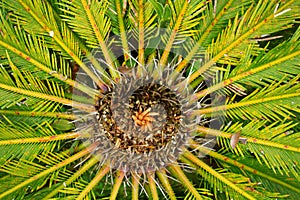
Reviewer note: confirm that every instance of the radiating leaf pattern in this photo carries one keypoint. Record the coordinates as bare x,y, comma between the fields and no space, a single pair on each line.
235,134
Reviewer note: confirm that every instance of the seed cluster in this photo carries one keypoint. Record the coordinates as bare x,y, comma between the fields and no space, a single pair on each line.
148,122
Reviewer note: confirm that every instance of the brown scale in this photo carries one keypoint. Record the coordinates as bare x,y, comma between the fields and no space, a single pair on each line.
140,103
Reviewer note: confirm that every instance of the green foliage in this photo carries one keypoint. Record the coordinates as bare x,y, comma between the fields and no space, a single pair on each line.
231,43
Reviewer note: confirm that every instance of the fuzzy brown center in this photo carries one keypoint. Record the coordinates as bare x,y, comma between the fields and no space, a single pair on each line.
152,120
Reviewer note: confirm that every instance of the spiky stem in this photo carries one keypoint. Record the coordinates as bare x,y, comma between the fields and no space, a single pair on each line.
118,182
141,52
101,173
38,114
165,182
122,30
152,185
185,181
40,139
135,186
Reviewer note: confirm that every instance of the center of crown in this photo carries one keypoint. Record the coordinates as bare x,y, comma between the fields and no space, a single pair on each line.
148,122
143,118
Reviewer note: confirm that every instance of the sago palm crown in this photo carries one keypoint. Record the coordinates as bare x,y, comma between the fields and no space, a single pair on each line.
136,99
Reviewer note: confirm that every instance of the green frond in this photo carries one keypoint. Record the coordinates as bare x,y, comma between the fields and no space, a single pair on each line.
26,51
265,68
233,185
69,180
41,193
79,14
271,66
238,35
186,16
152,185
205,194
33,114
21,140
274,145
46,172
142,19
9,180
276,101
33,90
216,18
117,183
135,187
258,172
165,182
32,87
27,12
60,22
118,15
261,174
28,169
16,93
29,53
100,174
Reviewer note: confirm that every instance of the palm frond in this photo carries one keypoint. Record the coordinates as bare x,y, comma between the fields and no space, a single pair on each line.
273,145
142,19
57,162
118,15
20,138
237,186
266,67
27,13
79,14
258,172
29,53
238,35
264,103
273,182
185,17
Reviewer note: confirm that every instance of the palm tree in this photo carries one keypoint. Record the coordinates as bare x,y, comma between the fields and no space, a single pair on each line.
149,99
